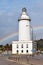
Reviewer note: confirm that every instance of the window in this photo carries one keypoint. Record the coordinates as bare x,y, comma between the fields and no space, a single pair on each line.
17,45
17,51
27,51
26,45
22,46
22,51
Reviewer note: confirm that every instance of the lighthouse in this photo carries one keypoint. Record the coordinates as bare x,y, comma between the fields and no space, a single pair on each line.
24,26
25,44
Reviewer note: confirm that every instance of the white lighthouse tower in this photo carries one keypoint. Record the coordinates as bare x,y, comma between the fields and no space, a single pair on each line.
24,45
24,26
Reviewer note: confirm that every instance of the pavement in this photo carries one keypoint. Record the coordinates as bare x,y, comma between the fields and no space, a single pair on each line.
21,60
28,60
36,61
4,61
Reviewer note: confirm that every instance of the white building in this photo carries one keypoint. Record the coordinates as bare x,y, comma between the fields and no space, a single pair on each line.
25,44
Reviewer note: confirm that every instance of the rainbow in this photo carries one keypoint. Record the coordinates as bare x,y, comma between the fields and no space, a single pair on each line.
8,36
16,33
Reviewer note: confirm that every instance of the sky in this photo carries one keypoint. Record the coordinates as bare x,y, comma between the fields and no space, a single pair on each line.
10,11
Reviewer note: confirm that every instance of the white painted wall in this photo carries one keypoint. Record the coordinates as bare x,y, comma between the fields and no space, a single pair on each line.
14,47
24,30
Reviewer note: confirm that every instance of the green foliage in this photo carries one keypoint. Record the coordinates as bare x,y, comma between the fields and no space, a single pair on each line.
40,44
6,47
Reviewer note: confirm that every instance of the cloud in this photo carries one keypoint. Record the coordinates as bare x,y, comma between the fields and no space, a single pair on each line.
11,9
10,14
2,12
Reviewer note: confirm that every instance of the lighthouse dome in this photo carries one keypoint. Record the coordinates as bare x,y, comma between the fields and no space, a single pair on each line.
24,15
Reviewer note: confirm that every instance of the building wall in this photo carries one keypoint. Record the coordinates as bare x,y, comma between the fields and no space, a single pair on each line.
24,30
27,45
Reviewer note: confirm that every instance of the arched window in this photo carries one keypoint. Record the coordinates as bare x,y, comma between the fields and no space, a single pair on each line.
17,51
26,45
22,46
27,51
17,46
22,51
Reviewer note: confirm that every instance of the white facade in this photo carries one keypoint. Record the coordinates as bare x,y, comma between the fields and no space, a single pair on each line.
25,44
22,47
24,30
